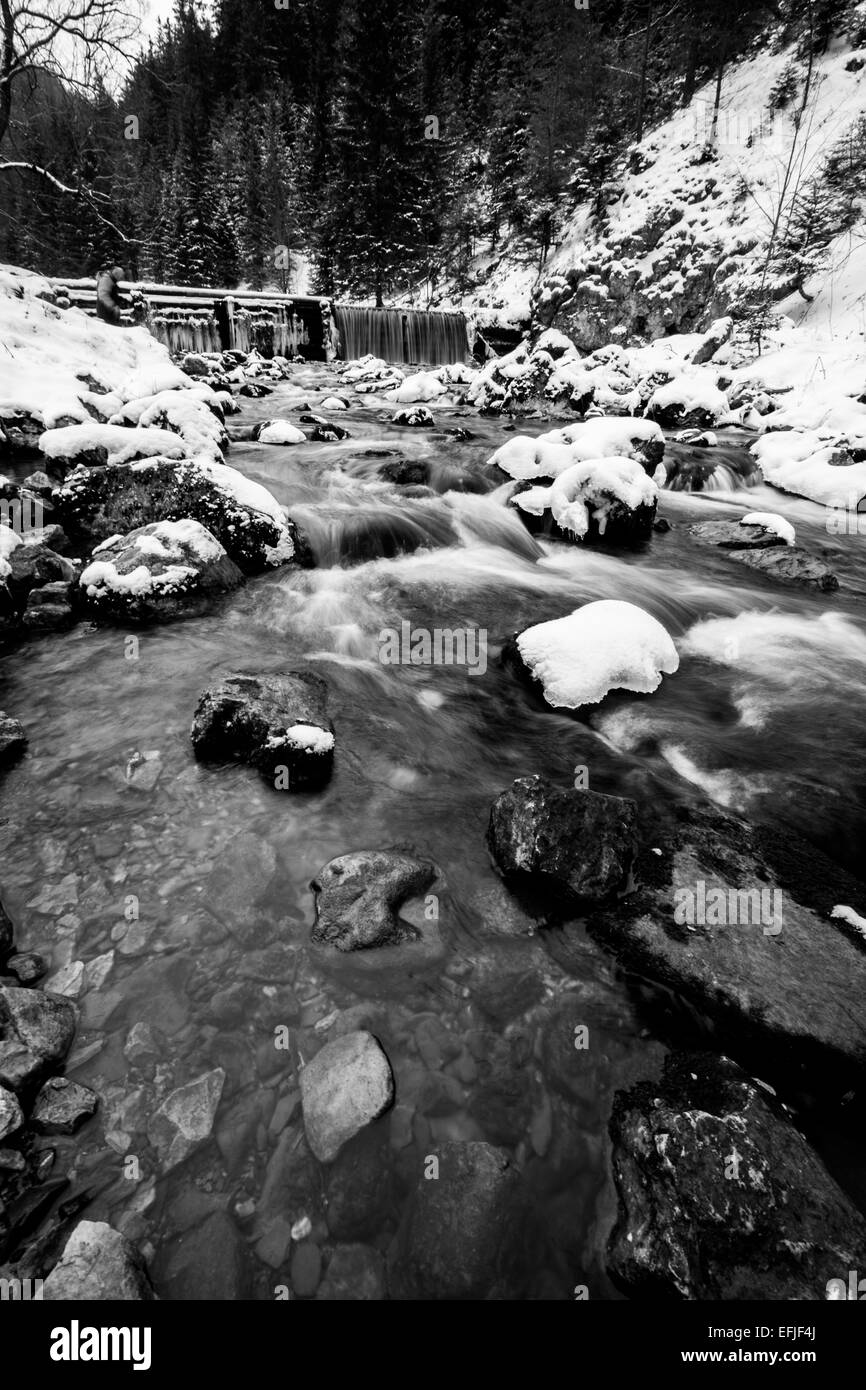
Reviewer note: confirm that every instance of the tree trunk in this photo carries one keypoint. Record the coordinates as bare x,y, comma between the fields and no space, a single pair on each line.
690,77
641,101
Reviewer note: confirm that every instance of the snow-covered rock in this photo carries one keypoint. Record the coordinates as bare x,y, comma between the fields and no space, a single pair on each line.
168,569
771,521
278,432
422,386
552,453
419,417
609,499
97,503
603,646
688,400
94,444
805,464
278,724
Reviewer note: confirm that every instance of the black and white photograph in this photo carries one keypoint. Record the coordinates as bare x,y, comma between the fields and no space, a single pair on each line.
432,670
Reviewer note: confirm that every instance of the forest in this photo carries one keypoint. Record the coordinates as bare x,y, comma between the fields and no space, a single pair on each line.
383,144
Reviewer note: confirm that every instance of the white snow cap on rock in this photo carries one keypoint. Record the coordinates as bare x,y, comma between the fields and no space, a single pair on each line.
333,403
590,488
603,646
550,454
281,432
690,392
847,914
120,443
771,521
422,386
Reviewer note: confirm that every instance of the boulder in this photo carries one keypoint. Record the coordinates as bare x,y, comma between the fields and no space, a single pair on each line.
36,1032
276,723
346,1086
417,415
207,1264
26,967
166,570
53,608
720,1197
62,1106
463,1230
13,743
359,896
355,1273
567,843
790,565
96,504
735,918
98,1264
11,1115
185,1119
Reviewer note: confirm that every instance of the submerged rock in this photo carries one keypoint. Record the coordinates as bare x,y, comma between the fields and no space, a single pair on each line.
346,1086
462,1234
98,1264
569,843
359,896
276,723
736,919
36,1032
720,1197
208,1264
13,743
765,549
169,569
354,1273
7,934
185,1118
62,1106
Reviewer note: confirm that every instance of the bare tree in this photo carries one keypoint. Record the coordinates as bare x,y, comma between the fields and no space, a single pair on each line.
72,42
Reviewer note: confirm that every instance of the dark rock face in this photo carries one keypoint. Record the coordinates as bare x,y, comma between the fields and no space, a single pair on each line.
7,934
208,1263
790,565
736,918
406,472
276,723
34,565
184,574
355,1273
51,609
114,500
462,1233
577,845
62,1106
36,1031
763,550
13,742
720,1197
359,896
325,432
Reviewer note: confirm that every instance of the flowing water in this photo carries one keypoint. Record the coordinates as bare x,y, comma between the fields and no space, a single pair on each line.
200,886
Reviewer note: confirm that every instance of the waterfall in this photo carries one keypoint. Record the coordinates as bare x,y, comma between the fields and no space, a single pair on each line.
401,335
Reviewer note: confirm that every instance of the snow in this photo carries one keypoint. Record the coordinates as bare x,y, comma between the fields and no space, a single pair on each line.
847,914
552,453
771,521
121,444
169,539
48,353
590,489
603,646
334,403
802,464
281,432
310,738
244,490
690,393
102,575
423,386
182,412
9,539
